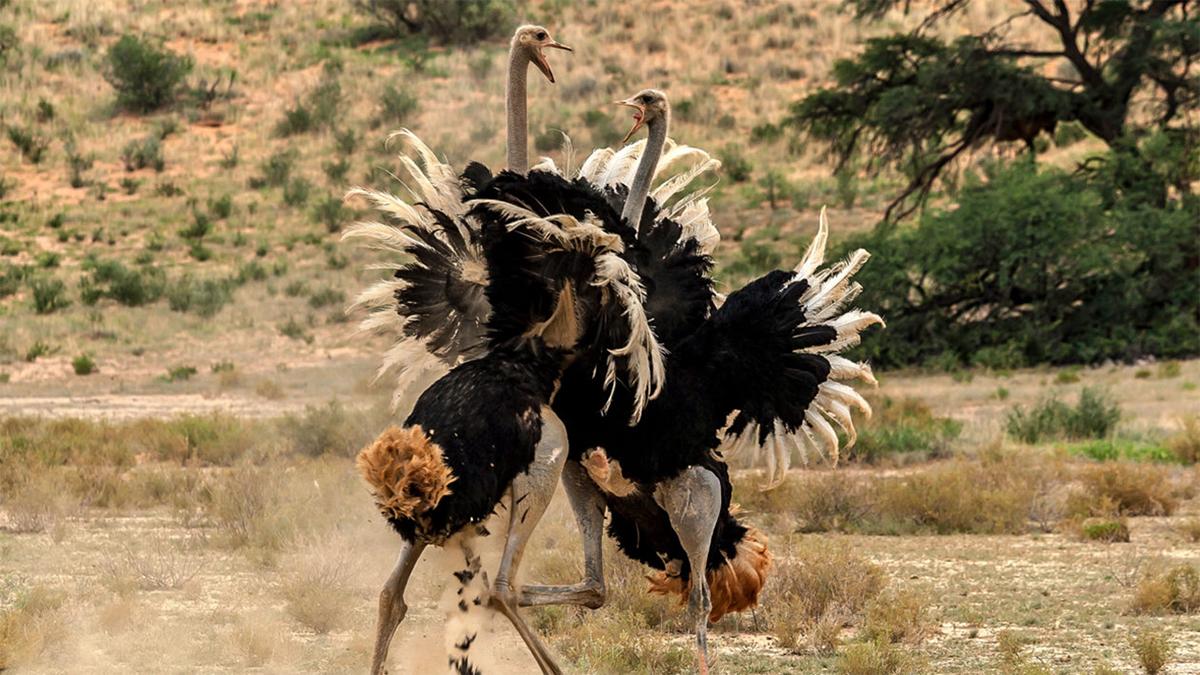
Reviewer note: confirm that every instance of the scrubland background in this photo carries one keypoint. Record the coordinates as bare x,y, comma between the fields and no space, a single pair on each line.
182,391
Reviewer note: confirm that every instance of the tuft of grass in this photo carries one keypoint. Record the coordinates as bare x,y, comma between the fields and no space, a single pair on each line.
1185,444
1189,529
156,564
35,505
1125,489
898,616
37,350
29,143
83,364
1153,651
904,429
875,658
1109,530
1168,590
620,641
49,295
205,297
1094,416
295,330
35,623
817,582
316,591
179,373
329,428
146,153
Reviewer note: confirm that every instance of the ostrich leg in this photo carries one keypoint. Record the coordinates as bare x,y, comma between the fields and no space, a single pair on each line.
588,505
529,496
693,501
391,603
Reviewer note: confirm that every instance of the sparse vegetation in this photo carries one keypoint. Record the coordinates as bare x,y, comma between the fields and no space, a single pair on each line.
1094,416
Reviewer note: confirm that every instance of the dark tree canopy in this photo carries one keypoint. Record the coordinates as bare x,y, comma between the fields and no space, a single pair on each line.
916,103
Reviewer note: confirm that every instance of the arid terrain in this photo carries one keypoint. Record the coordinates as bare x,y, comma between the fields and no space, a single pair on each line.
182,389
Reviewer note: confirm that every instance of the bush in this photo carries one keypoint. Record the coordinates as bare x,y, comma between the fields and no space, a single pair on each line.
1095,416
1125,489
1109,530
146,77
317,591
875,658
905,428
1153,651
1037,266
180,373
11,277
463,22
327,429
144,153
326,296
734,165
83,364
1184,445
29,142
1174,589
396,105
205,297
111,279
276,169
49,295
898,616
296,192
318,110
818,581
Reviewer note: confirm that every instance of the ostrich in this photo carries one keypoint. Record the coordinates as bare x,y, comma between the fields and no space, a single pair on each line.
767,358
483,435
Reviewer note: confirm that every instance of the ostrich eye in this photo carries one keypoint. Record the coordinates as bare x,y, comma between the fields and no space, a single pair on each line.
644,98
541,35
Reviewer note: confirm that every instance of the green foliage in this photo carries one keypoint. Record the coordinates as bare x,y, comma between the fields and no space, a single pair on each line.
276,169
11,277
1094,416
205,297
326,296
1113,449
296,192
29,142
83,364
461,22
145,76
734,164
10,44
144,153
330,212
397,105
111,279
903,429
179,373
49,295
318,110
1034,267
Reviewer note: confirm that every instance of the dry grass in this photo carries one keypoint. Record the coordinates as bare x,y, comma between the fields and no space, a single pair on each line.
1185,444
816,588
876,658
317,590
155,564
902,615
34,624
1153,651
1189,529
36,505
1163,589
1126,488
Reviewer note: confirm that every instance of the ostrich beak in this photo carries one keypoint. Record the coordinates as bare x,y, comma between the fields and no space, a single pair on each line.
539,59
639,117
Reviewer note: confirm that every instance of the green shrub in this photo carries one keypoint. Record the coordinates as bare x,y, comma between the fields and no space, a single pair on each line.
145,76
83,364
1104,529
329,428
10,44
276,169
326,296
1106,450
318,110
144,153
179,373
463,22
11,277
396,105
29,142
905,428
734,164
205,297
111,279
1037,266
1095,416
331,213
296,192
49,295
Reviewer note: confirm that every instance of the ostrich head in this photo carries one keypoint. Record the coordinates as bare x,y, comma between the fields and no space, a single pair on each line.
530,41
650,106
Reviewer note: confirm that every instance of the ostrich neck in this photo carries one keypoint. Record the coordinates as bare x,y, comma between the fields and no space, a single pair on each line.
518,64
636,202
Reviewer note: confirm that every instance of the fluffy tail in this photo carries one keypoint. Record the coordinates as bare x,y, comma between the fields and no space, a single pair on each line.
468,618
407,472
734,583
776,342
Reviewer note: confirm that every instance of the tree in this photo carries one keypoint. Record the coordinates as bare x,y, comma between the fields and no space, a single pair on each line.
463,22
915,103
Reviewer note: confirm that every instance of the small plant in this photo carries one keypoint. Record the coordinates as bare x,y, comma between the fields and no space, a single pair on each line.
1153,651
49,295
144,153
295,331
222,207
874,658
1185,444
295,193
326,296
230,159
331,213
346,141
29,142
1095,416
275,170
77,164
83,364
222,367
112,279
336,171
145,76
1109,530
734,165
1168,590
396,106
180,373
205,297
37,350
129,185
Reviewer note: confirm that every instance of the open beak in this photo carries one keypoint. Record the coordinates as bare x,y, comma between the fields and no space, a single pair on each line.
539,59
639,116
